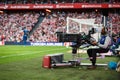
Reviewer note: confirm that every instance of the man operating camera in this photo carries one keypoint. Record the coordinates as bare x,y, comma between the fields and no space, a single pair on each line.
103,47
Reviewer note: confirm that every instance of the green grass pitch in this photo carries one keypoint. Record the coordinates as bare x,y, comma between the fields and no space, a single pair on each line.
25,63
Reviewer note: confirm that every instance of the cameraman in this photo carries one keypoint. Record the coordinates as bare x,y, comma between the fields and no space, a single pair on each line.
103,44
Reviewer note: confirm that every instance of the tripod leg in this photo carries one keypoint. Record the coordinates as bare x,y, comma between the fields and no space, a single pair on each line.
74,53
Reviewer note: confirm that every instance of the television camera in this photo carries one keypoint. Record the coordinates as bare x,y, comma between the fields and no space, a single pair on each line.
76,39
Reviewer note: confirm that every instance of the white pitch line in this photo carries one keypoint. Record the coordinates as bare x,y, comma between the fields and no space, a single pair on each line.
13,55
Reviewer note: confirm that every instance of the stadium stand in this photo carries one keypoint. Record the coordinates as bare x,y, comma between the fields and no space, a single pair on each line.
57,21
43,29
12,24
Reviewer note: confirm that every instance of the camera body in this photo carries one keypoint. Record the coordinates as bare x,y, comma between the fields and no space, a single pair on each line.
77,39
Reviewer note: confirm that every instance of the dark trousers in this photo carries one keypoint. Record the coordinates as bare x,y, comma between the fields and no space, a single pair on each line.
93,53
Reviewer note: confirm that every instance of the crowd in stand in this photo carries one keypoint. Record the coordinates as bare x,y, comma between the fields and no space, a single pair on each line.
57,21
55,1
12,24
115,20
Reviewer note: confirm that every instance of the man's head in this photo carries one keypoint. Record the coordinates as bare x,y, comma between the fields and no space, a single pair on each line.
104,31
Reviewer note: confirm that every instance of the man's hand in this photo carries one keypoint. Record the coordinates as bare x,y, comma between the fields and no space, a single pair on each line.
94,43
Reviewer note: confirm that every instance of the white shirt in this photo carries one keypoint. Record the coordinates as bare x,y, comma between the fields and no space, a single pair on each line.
106,44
